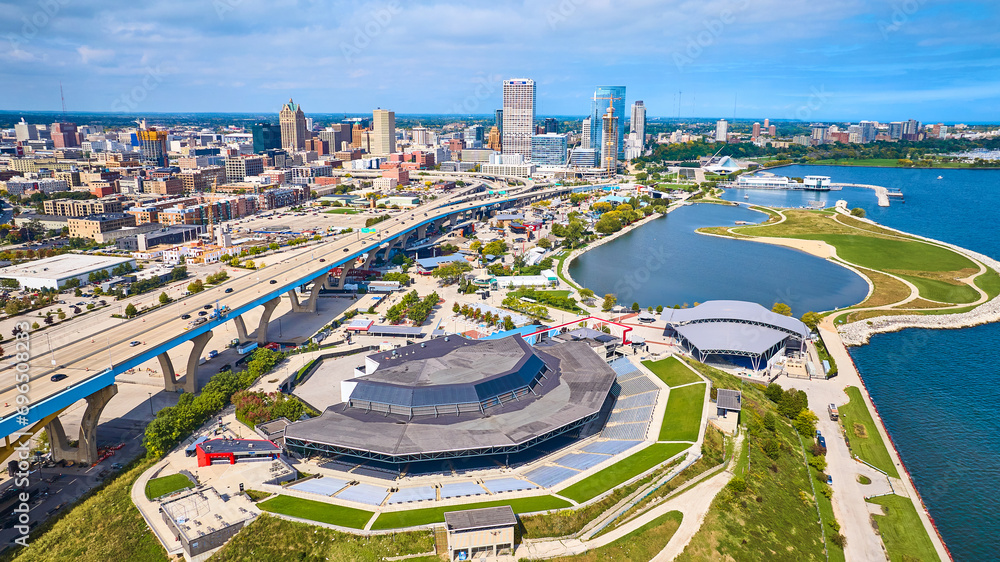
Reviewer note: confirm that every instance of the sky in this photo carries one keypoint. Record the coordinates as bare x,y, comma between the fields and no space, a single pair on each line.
834,60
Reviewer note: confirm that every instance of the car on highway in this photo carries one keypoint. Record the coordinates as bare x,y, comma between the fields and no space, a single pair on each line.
273,282
346,249
202,313
185,316
207,307
229,290
321,260
57,377
134,343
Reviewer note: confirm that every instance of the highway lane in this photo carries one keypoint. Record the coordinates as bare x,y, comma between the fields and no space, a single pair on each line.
90,355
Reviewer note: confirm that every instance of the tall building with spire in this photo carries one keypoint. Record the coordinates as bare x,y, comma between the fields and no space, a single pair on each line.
293,126
518,124
585,138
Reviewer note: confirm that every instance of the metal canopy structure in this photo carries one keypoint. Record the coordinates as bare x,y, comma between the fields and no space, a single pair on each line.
734,328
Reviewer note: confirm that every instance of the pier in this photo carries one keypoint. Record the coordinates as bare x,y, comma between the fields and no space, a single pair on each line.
881,193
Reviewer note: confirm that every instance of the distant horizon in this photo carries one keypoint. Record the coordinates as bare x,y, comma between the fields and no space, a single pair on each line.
834,61
707,119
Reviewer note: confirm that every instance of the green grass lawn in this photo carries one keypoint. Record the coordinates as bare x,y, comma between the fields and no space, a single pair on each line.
317,511
622,471
643,543
273,539
884,254
682,418
989,282
935,290
672,372
830,525
869,448
341,212
902,532
164,485
431,515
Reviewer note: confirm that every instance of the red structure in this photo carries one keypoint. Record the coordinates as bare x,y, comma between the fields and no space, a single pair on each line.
235,450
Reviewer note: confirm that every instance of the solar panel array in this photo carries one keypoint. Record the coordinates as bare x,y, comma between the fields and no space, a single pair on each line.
461,489
612,447
322,486
548,476
420,493
364,493
501,485
580,461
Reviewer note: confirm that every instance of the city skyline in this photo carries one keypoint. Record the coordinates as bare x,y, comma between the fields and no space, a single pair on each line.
839,61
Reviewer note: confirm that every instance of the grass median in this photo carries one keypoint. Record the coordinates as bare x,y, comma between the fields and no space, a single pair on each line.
672,372
866,441
159,487
682,418
902,531
643,543
432,515
622,471
317,511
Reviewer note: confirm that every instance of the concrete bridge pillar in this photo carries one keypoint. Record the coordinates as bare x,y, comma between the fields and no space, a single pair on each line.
453,219
189,382
265,318
421,232
369,258
344,269
169,377
86,450
241,329
309,305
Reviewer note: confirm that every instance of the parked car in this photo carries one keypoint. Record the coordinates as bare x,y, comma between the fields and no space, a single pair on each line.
829,479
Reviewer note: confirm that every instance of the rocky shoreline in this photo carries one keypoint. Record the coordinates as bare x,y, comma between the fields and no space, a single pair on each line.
859,332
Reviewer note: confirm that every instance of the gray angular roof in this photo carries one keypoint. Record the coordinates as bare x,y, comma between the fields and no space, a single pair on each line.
735,311
729,399
480,518
723,337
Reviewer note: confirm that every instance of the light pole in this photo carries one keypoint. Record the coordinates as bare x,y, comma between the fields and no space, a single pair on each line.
151,403
49,339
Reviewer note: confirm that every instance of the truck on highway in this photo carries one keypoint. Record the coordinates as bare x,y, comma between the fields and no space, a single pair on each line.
832,410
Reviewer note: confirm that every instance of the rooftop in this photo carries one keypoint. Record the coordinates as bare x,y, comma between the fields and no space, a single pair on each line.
480,518
729,399
65,265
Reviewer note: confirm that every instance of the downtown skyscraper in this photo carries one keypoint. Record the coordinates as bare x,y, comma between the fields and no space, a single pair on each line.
384,129
518,116
603,95
638,123
293,126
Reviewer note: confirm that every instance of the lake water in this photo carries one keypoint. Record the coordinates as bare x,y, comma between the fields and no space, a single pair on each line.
666,262
935,389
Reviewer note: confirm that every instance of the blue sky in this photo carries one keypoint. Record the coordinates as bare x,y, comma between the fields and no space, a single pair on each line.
784,59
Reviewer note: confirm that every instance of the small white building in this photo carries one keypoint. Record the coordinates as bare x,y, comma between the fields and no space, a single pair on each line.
56,271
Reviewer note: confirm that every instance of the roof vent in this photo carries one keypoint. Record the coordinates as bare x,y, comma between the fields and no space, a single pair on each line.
446,338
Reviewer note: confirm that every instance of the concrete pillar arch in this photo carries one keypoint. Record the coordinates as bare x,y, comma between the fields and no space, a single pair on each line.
86,450
241,329
190,379
169,376
265,318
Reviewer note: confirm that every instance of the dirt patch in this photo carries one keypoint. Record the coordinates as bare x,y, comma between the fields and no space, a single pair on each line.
860,431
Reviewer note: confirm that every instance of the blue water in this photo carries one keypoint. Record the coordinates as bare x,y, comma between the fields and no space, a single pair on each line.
666,263
936,390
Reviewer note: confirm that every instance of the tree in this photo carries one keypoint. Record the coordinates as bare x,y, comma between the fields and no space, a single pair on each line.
508,324
811,319
782,308
805,423
602,207
456,308
659,308
608,224
635,307
609,302
62,316
770,422
544,243
774,392
858,212
792,403
196,286
495,248
475,246
164,299
131,310
586,294
450,272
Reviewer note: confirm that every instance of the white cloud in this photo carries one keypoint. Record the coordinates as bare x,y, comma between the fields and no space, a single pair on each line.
89,55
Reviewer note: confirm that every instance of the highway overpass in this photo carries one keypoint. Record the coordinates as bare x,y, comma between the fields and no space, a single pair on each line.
92,362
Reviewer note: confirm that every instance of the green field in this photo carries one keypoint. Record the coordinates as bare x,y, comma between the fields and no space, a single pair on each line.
830,526
869,448
431,515
643,543
622,471
941,291
682,418
672,372
902,531
341,212
317,511
881,163
164,485
989,282
308,543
